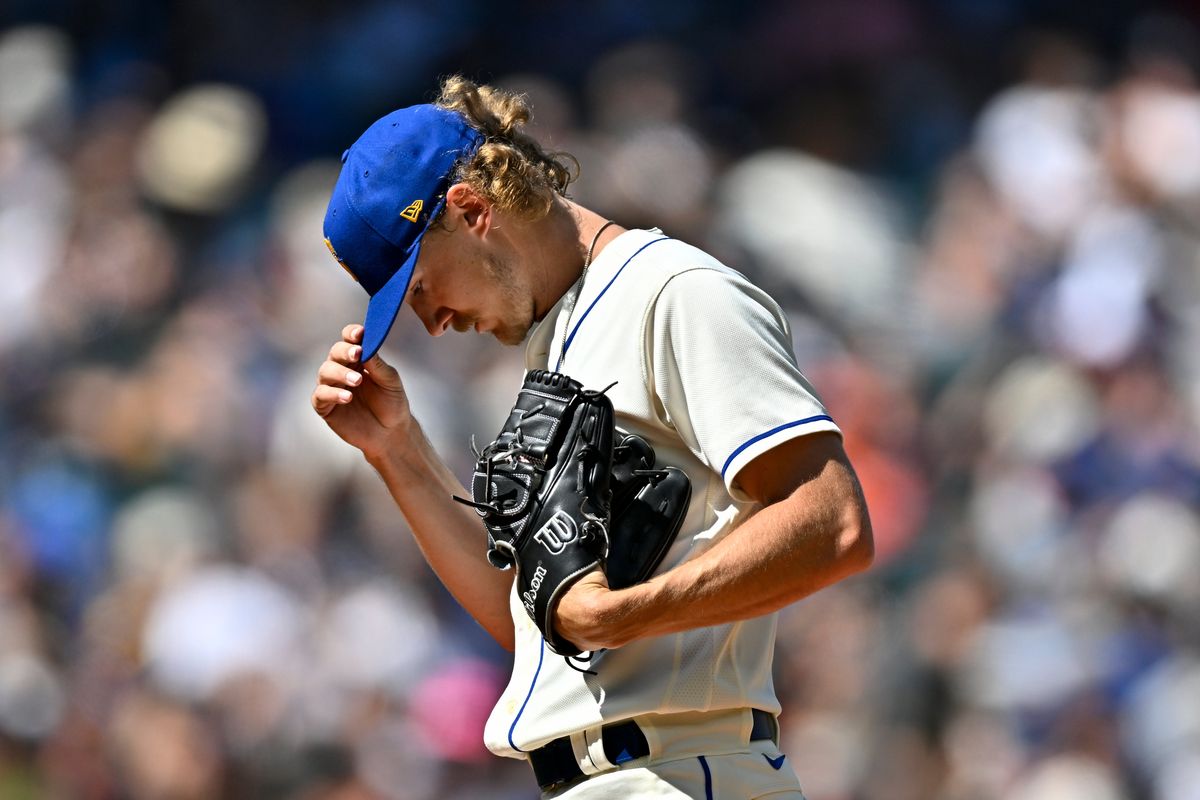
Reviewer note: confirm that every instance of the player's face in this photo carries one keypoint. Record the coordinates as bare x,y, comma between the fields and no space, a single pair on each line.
458,285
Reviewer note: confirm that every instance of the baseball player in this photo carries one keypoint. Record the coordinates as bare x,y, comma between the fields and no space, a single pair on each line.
452,209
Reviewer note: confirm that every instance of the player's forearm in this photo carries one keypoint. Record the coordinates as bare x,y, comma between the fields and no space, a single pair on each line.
450,535
789,550
767,564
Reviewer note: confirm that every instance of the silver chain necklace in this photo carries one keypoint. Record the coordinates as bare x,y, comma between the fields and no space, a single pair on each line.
577,289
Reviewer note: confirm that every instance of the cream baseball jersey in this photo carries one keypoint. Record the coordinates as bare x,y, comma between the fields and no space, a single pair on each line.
704,370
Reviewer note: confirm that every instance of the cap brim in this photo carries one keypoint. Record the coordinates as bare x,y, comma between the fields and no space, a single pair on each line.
385,305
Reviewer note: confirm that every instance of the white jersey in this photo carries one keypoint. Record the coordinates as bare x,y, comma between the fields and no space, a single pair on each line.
704,371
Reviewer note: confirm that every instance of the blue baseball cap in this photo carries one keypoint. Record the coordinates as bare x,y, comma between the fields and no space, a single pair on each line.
393,182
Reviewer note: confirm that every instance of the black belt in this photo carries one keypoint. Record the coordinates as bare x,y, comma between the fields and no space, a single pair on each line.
554,763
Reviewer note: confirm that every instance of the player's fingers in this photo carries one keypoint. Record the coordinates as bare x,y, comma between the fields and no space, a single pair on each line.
334,374
384,374
348,352
345,353
326,398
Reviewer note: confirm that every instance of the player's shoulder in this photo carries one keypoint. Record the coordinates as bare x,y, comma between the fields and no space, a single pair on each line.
663,260
690,275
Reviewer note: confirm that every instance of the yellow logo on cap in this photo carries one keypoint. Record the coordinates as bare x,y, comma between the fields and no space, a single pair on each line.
413,211
341,263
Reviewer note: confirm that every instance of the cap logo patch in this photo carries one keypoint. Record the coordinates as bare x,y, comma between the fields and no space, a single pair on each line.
413,211
338,258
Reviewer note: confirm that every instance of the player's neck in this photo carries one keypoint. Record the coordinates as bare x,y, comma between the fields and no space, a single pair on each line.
557,246
593,232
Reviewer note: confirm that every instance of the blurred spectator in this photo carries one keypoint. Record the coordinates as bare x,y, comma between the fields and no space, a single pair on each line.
983,221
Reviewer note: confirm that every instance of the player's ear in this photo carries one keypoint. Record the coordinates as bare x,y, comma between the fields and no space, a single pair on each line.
471,208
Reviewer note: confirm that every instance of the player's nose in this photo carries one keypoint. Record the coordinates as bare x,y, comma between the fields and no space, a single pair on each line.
436,319
438,322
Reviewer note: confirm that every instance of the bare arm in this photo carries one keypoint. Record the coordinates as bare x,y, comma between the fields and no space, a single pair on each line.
367,407
812,531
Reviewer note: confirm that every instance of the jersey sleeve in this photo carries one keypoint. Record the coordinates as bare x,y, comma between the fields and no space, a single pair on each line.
725,373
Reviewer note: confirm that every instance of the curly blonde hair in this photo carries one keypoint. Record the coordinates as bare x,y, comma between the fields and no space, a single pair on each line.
510,168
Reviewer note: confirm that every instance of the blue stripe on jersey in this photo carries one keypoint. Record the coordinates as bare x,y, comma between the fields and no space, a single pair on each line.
708,795
532,683
772,432
571,338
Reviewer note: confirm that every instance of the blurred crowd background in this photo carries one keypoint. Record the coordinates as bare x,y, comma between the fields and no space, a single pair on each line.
982,217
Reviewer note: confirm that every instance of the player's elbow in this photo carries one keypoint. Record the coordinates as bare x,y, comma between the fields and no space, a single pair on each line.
857,545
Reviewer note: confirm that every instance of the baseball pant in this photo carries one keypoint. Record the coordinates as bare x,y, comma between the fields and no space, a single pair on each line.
695,756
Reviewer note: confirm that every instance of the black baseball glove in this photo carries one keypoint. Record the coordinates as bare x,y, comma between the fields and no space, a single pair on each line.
648,507
559,499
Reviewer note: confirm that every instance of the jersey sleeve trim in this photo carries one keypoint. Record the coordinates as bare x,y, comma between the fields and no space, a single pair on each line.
777,429
575,330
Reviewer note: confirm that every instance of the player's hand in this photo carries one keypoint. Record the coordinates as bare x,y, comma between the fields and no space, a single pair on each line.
586,615
365,404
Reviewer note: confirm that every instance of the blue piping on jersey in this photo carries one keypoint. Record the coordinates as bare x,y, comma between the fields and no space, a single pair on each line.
570,338
707,778
532,683
772,432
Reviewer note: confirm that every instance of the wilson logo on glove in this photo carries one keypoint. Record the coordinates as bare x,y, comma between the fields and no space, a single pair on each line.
535,583
558,531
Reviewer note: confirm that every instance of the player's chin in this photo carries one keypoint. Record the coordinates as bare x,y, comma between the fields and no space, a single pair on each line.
511,335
